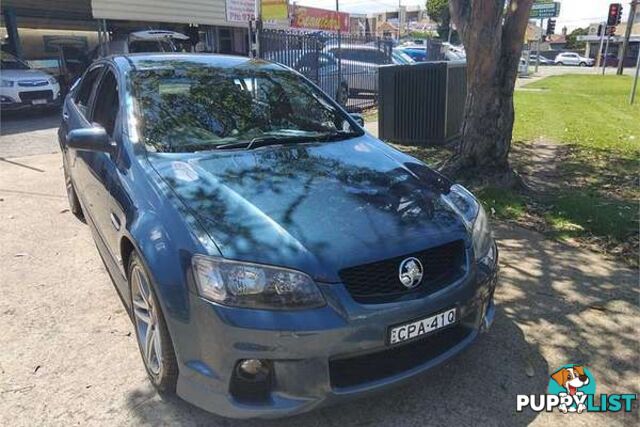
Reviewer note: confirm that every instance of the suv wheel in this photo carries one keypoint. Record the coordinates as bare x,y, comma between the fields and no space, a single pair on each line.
152,334
583,64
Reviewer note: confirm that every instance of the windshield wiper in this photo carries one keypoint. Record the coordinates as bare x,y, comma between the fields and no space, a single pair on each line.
265,140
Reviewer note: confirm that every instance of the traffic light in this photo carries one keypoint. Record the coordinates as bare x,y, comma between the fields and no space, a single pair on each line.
615,14
551,27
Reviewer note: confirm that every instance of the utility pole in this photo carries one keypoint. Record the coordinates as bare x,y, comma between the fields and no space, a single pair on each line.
635,81
339,45
606,52
538,46
627,34
603,30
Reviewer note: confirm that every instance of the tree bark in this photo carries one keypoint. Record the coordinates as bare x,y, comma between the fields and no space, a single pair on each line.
492,34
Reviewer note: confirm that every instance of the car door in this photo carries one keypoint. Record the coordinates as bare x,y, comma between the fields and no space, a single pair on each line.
105,177
573,59
75,116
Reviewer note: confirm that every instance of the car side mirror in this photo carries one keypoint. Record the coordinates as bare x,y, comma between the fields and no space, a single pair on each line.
358,118
90,139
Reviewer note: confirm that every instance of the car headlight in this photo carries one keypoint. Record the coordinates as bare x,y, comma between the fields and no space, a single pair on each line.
53,80
6,83
474,217
251,285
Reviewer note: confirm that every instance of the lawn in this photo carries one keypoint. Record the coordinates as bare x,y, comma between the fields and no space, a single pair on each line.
590,111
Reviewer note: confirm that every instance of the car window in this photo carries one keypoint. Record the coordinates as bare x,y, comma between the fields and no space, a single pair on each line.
83,93
106,108
195,108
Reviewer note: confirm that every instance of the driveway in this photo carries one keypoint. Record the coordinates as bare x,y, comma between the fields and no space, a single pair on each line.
69,354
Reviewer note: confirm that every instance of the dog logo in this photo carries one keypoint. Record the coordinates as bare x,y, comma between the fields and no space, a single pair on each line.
573,379
411,272
572,390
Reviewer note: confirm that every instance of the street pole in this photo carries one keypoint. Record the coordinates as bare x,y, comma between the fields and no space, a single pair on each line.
258,27
606,52
604,30
635,81
627,35
339,45
538,46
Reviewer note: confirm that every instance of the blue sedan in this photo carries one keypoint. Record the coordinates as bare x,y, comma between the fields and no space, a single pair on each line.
273,256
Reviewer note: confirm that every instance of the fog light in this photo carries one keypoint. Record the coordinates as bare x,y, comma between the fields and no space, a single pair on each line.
252,380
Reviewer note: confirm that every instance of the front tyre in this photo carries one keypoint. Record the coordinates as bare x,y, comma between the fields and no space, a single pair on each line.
152,334
74,202
583,64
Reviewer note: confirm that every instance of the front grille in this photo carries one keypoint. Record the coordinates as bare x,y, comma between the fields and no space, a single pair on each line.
36,94
32,83
353,371
379,282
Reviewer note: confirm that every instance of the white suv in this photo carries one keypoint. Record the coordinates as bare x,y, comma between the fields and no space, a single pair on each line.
23,87
570,58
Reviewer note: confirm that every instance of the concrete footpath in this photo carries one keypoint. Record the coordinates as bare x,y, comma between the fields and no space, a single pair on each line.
69,354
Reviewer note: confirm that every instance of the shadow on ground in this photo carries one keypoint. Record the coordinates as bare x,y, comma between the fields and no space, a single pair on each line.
16,122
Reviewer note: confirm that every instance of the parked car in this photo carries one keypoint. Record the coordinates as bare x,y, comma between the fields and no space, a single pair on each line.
610,60
141,42
400,57
454,53
571,58
22,87
418,54
273,256
360,65
543,60
321,67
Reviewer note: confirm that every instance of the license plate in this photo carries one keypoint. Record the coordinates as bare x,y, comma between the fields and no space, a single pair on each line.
420,327
39,101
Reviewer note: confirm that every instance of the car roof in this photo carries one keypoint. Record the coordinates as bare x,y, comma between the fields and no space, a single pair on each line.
150,61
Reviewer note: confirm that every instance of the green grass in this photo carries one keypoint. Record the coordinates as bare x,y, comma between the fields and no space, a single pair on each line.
590,111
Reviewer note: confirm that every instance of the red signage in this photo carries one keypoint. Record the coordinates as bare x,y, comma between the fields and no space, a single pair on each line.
319,19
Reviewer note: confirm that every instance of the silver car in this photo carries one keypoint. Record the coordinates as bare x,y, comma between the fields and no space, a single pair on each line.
360,65
321,67
571,58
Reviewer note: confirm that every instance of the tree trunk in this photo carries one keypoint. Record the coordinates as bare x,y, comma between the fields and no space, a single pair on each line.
493,37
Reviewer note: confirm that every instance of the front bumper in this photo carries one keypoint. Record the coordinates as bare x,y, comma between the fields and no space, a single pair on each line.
10,100
308,349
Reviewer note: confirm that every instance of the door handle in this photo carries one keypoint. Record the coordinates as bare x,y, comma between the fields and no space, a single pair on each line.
115,221
65,115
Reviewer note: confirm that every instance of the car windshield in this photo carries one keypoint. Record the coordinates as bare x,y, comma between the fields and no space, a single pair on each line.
195,108
401,58
11,63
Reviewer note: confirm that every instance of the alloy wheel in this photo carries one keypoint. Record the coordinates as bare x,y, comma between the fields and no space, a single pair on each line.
145,311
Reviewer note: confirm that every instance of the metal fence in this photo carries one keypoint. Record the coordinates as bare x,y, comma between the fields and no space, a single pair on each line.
422,104
344,66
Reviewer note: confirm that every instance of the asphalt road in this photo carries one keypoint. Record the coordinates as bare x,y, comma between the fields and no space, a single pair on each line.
69,355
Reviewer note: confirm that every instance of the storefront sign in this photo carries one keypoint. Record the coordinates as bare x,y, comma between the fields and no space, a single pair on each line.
241,10
275,10
319,19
